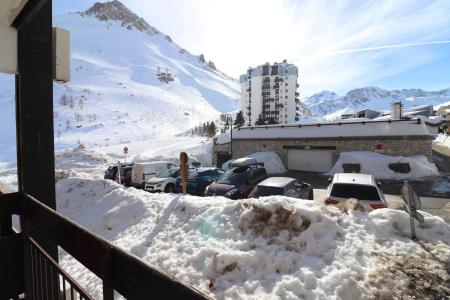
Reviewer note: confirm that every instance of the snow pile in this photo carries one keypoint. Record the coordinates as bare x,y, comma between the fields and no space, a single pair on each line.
443,139
271,160
223,138
378,165
267,248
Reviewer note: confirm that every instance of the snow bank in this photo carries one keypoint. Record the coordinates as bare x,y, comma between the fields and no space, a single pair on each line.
267,248
378,165
271,160
443,139
223,138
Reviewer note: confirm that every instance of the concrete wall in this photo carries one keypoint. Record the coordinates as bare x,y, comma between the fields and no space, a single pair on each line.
394,145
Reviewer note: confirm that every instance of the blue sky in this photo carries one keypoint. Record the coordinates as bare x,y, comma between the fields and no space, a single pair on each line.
337,45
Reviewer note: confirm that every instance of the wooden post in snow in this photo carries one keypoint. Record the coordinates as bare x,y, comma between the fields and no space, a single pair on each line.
184,171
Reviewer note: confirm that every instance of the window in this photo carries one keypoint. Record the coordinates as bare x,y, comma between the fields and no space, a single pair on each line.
361,192
286,90
285,97
285,116
286,84
277,97
277,91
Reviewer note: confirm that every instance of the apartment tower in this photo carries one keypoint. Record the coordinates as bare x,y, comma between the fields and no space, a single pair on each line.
269,94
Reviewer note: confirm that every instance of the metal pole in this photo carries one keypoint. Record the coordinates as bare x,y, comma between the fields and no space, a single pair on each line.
411,209
231,136
413,229
118,171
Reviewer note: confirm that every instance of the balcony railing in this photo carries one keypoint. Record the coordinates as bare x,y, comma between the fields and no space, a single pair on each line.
26,268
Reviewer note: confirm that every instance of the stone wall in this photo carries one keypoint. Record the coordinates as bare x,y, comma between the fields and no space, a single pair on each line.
220,148
396,146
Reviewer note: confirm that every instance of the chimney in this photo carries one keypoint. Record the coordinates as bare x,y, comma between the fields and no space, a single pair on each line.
396,111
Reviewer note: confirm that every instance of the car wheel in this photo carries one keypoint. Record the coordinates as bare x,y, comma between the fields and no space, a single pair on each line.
169,189
311,195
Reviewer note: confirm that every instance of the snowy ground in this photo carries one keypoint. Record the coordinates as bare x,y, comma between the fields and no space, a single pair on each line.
443,140
271,248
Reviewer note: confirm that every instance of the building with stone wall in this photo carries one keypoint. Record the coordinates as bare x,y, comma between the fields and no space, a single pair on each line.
316,147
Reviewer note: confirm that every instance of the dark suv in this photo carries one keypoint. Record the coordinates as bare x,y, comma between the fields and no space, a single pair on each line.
239,180
199,179
111,172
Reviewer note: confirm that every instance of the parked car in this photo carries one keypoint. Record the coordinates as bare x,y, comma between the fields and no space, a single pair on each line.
362,187
239,180
111,172
163,182
125,175
284,186
199,179
144,171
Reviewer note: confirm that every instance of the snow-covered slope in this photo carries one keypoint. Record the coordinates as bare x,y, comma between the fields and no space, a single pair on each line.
326,103
114,95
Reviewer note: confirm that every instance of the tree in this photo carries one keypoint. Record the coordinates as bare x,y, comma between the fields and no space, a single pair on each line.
260,120
212,130
239,121
63,100
211,65
81,102
201,58
70,101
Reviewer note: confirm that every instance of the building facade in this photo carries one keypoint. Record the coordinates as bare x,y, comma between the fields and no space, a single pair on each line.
316,147
269,94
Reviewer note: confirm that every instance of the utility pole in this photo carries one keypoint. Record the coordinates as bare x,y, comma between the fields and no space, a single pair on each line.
229,120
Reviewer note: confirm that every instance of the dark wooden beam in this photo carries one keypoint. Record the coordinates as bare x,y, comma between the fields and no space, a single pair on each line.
34,102
34,121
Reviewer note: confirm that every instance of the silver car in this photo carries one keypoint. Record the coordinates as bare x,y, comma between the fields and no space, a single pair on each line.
362,187
284,186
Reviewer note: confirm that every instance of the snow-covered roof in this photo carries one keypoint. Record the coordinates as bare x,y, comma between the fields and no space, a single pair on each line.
277,181
334,130
223,138
354,178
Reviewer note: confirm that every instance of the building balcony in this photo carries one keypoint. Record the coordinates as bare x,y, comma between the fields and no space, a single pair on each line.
276,86
249,89
297,85
267,79
266,85
297,94
278,79
265,93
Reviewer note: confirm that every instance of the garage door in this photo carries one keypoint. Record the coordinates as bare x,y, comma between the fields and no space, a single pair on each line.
310,160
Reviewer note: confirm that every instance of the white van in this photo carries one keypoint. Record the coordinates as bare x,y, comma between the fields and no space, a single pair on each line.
144,171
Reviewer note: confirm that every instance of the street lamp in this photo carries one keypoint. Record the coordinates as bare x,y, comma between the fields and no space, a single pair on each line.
228,119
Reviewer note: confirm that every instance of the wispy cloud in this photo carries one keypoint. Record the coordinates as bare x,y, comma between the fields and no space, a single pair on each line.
336,44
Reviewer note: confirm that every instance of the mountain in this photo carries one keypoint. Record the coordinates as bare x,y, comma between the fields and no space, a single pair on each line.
331,105
115,94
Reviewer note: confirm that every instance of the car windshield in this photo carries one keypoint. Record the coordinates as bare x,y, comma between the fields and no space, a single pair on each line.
361,192
267,191
235,176
123,171
168,173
